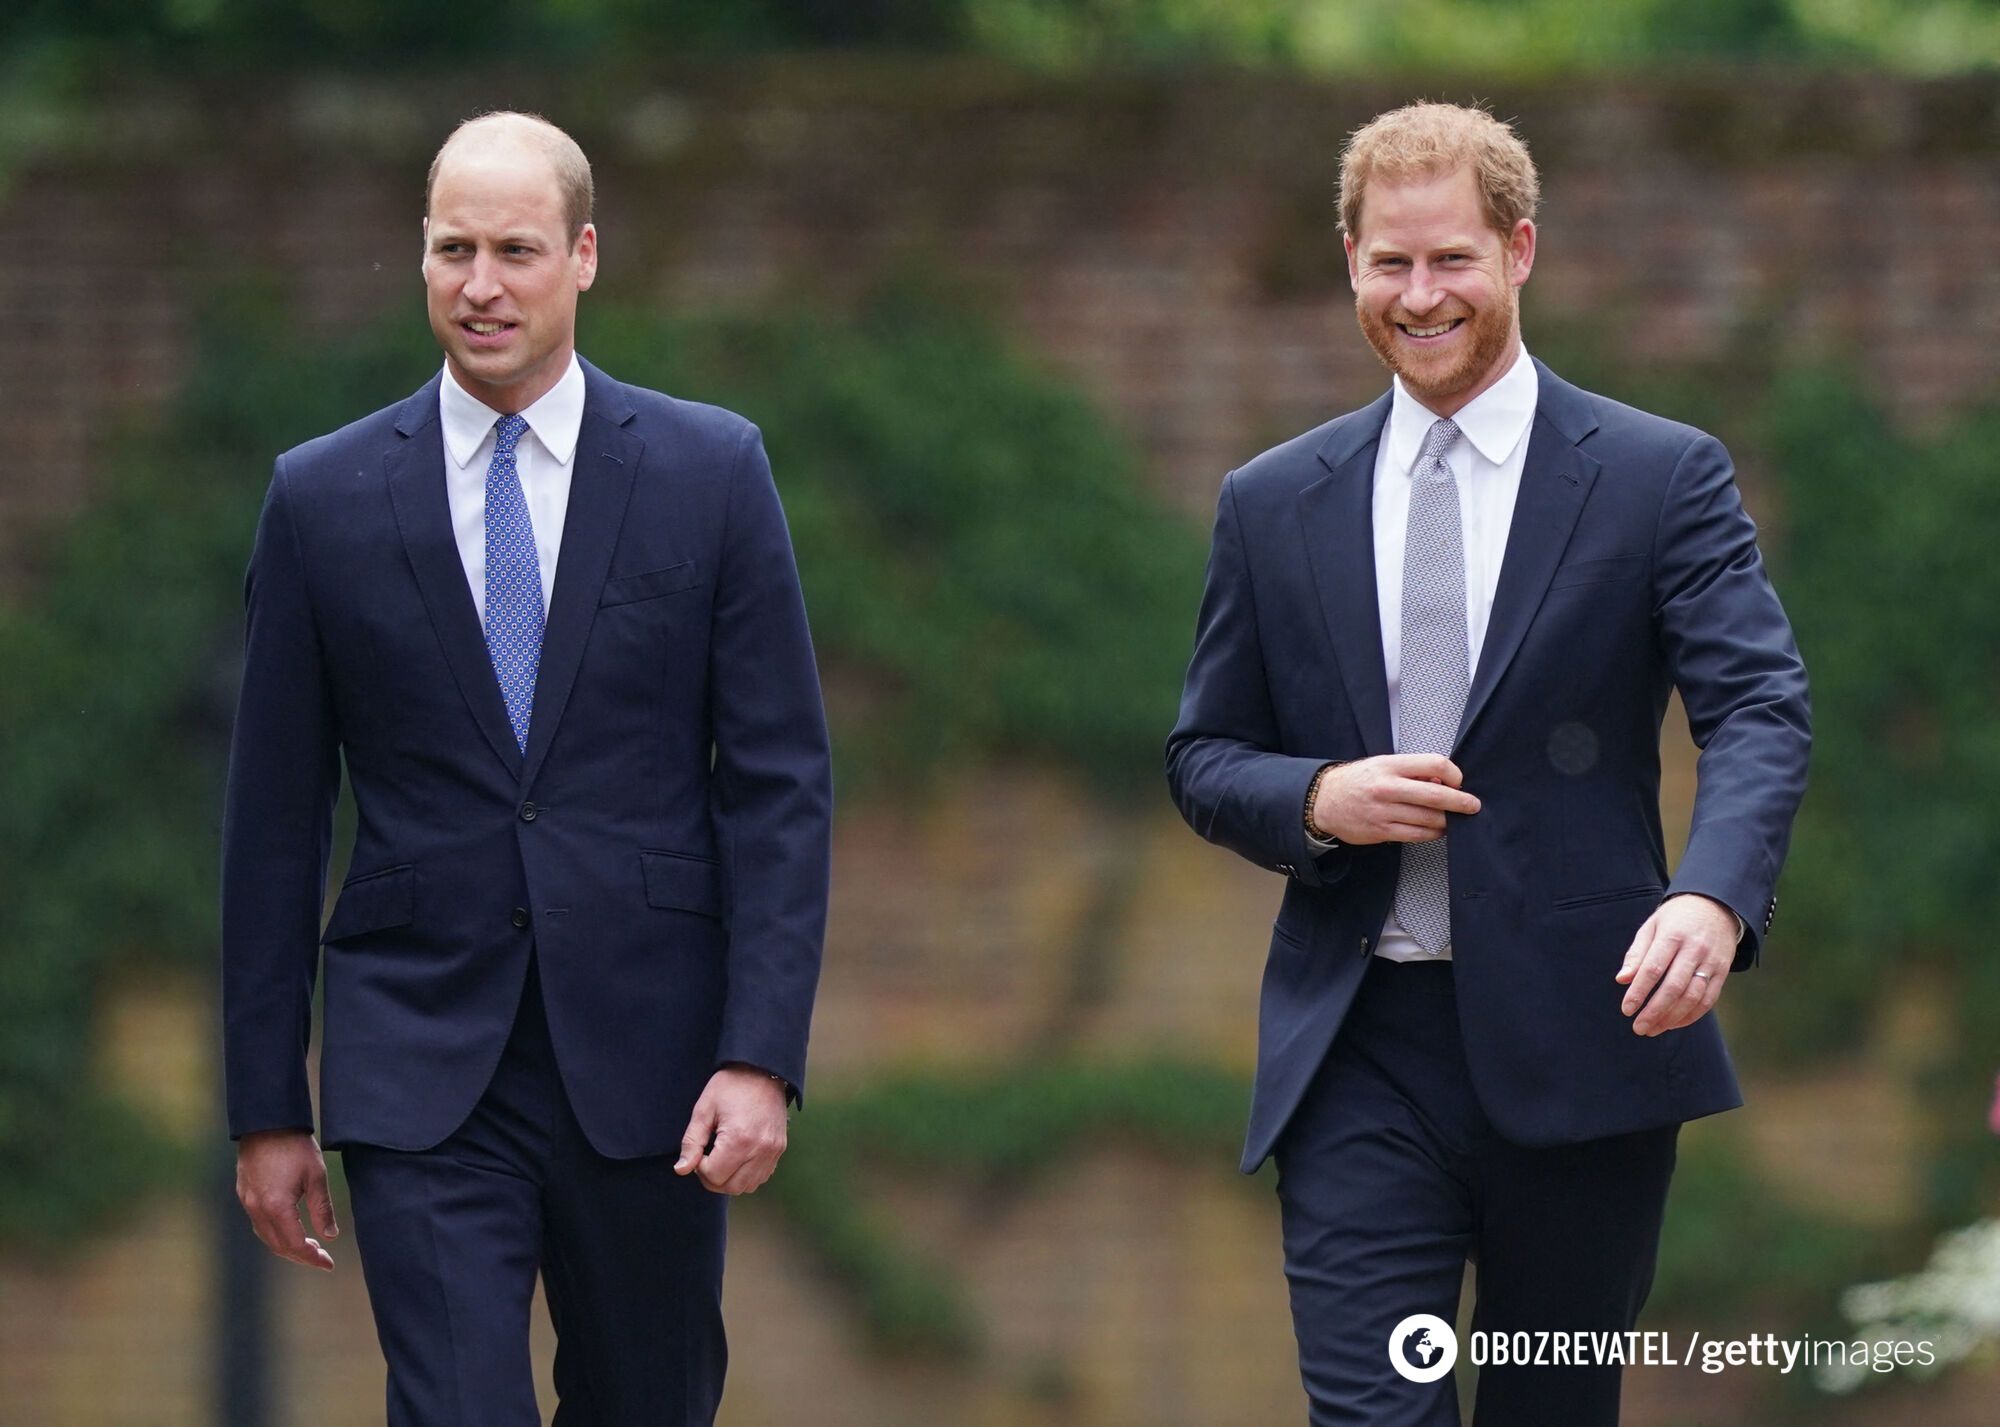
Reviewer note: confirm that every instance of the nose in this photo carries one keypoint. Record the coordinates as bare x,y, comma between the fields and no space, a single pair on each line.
483,285
1420,295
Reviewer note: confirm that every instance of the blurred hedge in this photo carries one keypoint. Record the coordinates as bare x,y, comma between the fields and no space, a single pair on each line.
1487,36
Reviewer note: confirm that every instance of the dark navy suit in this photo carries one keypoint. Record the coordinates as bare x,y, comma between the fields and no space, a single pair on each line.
1631,570
635,900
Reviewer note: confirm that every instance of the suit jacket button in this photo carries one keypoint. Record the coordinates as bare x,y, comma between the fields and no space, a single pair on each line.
520,916
527,812
1364,946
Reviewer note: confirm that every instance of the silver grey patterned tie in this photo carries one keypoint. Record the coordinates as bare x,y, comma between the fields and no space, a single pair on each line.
1434,672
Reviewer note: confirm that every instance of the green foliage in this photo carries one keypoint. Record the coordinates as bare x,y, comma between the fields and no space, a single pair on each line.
983,570
1889,574
1730,1245
986,581
349,30
1001,1131
117,706
1344,36
1890,565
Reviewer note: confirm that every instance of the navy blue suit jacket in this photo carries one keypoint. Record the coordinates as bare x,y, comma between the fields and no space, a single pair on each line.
1631,569
662,844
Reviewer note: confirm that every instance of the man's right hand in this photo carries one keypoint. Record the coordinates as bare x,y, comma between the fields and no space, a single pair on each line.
1397,797
275,1169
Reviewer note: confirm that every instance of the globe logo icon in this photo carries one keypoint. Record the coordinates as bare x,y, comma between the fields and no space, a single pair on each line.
1422,1348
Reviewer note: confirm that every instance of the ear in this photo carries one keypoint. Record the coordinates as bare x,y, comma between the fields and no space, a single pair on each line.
424,248
586,257
1353,272
1521,251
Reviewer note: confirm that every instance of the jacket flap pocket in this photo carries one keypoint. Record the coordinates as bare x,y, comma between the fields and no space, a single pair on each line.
1597,572
1616,894
374,903
628,589
682,882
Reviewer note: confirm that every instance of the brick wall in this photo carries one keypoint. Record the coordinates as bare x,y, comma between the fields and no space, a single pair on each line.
1169,240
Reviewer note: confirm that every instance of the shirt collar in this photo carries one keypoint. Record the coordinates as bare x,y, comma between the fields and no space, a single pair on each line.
1494,421
556,417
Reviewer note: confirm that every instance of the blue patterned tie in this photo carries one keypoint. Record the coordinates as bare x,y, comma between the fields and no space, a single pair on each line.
1435,669
513,582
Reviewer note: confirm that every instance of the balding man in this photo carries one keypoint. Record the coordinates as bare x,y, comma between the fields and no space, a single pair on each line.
552,627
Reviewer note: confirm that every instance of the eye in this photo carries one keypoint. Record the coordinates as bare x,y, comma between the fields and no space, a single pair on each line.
1392,262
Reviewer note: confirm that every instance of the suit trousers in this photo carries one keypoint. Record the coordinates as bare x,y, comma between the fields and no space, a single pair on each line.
1390,1178
451,1239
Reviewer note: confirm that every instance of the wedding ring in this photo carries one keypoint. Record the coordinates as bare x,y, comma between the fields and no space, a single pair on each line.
1703,975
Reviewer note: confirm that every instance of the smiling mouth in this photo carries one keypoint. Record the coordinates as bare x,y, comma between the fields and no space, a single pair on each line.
487,329
1436,329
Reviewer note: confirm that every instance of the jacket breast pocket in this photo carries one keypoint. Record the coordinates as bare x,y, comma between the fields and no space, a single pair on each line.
372,903
682,882
649,584
1598,572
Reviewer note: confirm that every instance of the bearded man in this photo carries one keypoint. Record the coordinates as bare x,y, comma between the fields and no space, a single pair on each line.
1430,670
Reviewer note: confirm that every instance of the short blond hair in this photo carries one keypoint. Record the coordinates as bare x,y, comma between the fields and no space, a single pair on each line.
1426,140
565,156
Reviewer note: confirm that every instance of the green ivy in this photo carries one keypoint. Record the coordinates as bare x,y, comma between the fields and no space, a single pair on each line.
986,574
1002,1130
1890,575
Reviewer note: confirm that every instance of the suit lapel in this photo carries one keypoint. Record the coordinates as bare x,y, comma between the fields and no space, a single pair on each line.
415,467
1555,481
1337,516
607,459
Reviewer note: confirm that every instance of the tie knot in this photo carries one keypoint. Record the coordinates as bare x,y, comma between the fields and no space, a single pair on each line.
510,429
1437,441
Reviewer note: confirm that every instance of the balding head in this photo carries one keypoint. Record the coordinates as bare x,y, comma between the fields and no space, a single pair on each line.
505,137
508,247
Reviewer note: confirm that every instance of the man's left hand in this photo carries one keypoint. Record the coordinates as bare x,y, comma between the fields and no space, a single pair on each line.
737,1131
1685,950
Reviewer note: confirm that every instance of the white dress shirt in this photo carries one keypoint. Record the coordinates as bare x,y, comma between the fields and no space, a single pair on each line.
1486,459
545,457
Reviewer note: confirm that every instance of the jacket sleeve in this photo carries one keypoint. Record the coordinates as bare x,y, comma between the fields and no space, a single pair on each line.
772,792
277,830
1731,654
1225,769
